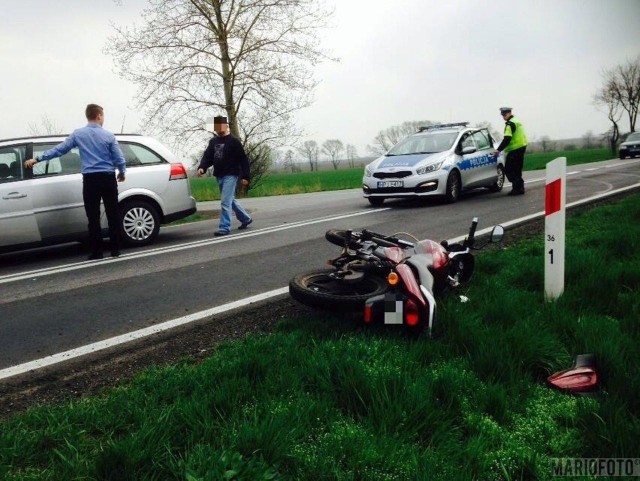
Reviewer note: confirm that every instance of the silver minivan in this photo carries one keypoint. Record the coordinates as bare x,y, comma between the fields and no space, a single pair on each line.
438,160
43,205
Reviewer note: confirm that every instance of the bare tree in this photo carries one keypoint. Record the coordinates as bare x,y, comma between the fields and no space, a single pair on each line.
309,151
606,97
333,148
352,153
45,127
289,162
251,60
622,85
546,143
387,138
588,140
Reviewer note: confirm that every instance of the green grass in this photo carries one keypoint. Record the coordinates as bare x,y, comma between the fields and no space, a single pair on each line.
326,399
304,182
279,184
536,161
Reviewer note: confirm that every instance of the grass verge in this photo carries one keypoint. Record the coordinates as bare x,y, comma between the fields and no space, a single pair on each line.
323,398
305,182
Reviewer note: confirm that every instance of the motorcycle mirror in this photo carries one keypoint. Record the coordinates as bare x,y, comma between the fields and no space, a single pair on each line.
497,233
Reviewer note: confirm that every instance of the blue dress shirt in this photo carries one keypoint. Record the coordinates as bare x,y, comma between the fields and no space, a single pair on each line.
99,150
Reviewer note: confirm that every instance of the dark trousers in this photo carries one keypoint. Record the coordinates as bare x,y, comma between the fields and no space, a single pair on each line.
513,168
95,187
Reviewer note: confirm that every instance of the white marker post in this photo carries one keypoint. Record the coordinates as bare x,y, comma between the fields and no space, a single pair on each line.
554,227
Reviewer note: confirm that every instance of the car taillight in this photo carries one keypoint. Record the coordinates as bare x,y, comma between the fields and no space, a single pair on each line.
178,172
411,313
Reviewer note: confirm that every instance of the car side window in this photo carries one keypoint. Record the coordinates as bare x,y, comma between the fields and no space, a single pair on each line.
466,141
11,160
136,154
69,163
481,140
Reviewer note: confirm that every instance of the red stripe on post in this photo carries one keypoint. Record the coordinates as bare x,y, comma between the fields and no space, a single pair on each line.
552,197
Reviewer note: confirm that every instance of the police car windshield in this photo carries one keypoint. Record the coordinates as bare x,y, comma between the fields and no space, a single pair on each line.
428,143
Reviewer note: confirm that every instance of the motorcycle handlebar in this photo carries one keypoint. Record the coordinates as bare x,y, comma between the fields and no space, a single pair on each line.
472,232
383,240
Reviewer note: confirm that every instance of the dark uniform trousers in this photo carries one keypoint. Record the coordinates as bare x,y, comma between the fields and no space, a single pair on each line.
97,186
513,168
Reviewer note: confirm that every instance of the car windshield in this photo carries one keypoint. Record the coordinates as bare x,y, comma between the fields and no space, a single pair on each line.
429,143
633,137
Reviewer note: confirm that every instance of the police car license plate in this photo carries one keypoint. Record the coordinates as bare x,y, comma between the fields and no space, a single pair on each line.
390,183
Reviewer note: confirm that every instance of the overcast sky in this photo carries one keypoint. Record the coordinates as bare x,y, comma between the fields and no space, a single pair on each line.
399,60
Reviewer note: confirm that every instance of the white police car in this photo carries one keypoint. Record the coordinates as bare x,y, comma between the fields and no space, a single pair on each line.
441,160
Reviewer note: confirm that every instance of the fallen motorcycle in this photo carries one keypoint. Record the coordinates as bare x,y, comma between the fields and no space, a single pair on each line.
389,279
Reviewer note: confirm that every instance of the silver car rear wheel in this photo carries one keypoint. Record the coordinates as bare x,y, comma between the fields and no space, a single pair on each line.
140,223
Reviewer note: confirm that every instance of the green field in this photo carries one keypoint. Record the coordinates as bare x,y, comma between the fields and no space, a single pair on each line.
323,398
303,182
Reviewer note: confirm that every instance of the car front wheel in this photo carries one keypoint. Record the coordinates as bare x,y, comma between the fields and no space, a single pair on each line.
140,223
454,185
376,201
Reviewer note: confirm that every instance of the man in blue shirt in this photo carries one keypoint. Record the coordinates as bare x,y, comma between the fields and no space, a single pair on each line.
100,156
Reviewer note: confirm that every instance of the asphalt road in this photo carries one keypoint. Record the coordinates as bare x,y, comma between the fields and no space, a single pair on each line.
53,300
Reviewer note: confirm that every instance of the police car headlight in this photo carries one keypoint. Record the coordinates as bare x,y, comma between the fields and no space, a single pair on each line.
368,172
429,168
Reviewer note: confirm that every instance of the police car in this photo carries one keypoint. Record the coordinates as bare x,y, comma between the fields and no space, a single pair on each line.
438,160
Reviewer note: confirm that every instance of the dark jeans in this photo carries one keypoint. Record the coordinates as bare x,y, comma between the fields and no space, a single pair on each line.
513,168
97,186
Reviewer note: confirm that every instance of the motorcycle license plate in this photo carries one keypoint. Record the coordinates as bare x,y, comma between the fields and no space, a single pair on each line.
393,308
390,183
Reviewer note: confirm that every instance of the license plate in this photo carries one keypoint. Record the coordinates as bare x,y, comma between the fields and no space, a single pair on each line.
390,183
393,308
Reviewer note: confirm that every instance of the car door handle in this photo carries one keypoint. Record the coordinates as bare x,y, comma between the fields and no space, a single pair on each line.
14,195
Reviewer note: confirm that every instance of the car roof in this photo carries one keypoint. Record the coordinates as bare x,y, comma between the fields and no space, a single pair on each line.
35,138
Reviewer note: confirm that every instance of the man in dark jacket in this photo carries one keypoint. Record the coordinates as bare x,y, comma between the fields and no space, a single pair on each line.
229,160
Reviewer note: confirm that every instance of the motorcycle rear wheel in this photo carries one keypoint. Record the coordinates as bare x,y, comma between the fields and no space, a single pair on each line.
318,289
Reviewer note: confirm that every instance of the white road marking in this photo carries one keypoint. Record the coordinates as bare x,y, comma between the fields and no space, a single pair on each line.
132,336
19,276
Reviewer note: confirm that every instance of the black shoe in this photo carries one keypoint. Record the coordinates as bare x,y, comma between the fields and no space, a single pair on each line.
115,253
513,192
220,233
244,225
94,256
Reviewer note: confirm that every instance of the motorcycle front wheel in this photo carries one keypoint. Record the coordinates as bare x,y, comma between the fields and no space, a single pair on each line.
319,289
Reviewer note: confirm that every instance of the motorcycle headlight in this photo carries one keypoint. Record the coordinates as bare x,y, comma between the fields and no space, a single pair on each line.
429,168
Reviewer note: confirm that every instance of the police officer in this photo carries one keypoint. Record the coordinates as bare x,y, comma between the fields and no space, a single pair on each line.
514,144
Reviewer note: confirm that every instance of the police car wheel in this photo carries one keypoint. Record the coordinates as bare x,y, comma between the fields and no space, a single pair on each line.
499,183
454,184
376,201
